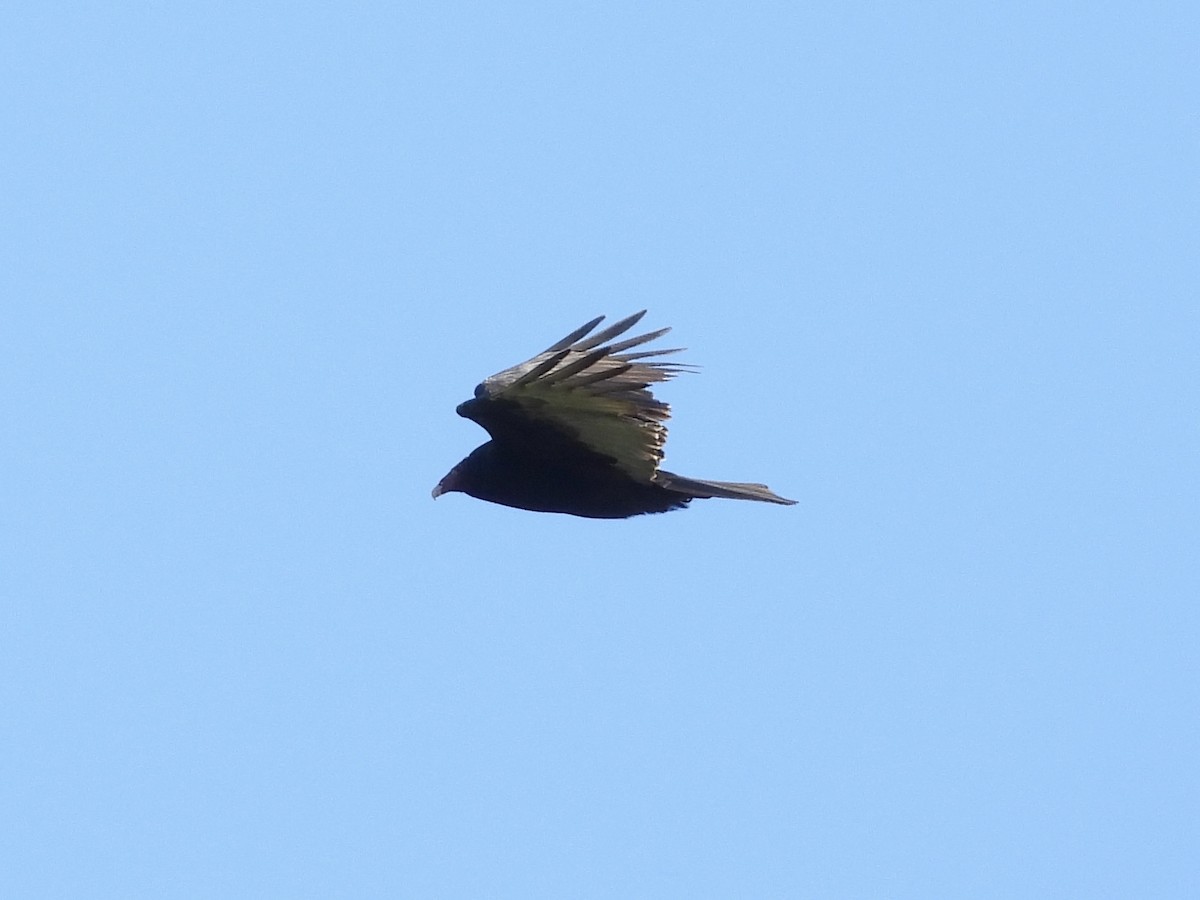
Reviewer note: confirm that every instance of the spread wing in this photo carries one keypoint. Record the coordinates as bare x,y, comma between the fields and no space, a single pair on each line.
586,392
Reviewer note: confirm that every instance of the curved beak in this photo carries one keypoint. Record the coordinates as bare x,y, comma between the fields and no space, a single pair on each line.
448,483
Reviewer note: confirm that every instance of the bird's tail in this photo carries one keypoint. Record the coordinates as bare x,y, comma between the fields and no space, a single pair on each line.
729,490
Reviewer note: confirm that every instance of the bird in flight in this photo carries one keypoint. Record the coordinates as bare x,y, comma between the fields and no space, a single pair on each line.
576,430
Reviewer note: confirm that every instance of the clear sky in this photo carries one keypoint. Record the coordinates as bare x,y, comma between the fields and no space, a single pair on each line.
939,265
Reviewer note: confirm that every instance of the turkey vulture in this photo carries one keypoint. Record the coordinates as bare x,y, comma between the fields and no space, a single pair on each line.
576,430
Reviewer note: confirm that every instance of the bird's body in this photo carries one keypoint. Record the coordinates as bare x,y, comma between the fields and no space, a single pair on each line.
577,487
575,430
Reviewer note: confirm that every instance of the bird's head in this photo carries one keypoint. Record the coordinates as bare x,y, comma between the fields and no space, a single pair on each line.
472,475
453,481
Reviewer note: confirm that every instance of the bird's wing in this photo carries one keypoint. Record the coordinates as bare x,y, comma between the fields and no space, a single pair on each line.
586,392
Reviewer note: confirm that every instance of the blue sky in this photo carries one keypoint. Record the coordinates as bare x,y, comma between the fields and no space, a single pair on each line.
939,265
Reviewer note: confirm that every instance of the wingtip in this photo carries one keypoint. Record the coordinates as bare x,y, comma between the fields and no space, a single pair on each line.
612,331
574,336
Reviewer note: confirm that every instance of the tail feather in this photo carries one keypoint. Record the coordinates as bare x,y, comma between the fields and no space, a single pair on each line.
729,490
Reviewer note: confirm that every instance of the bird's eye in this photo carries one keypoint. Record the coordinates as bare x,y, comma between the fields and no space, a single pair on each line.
480,393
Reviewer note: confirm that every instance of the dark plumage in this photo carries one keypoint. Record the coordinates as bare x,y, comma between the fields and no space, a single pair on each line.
576,430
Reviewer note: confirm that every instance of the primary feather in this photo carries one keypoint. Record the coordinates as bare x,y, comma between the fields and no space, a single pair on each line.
576,429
